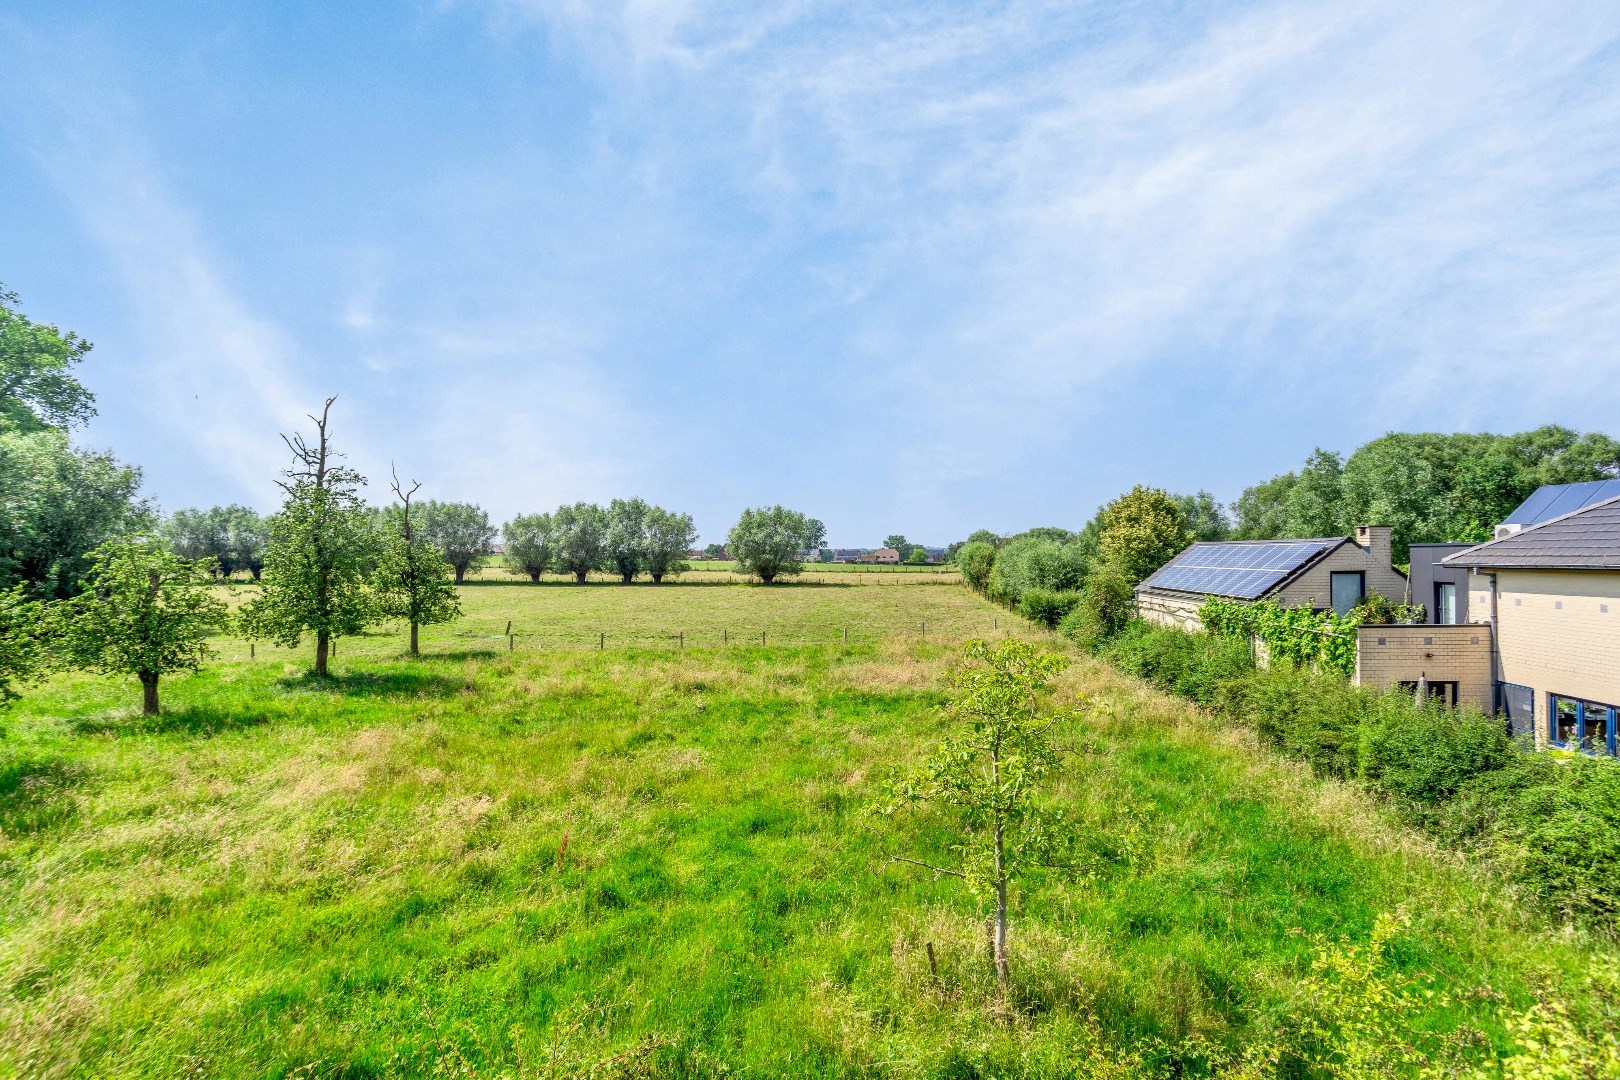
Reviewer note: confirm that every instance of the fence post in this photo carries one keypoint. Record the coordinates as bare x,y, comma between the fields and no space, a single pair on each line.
683,639
846,635
251,647
925,629
601,642
725,636
762,638
511,642
508,627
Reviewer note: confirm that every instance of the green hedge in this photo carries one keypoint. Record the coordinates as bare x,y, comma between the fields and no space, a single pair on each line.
1551,820
1046,606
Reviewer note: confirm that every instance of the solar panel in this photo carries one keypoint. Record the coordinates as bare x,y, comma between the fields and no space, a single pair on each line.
1244,571
1556,500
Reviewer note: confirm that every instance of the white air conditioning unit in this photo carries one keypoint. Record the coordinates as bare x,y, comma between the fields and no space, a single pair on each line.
1506,530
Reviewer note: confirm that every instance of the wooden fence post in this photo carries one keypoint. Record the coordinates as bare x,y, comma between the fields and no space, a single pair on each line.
601,642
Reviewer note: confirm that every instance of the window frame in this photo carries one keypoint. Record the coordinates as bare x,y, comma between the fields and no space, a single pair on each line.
1604,742
1439,608
1361,589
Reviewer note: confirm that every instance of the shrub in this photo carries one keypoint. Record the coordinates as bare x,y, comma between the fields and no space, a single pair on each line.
975,558
1107,605
1427,755
1034,562
1193,665
1046,606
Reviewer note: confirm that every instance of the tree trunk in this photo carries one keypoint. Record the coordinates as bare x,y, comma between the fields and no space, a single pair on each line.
149,698
579,576
323,645
414,651
256,571
766,578
461,572
1001,930
534,576
625,579
658,579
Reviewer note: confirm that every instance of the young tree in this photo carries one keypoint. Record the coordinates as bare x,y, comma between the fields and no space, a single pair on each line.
715,551
1142,530
767,542
578,532
461,532
413,579
669,537
36,389
145,612
23,657
321,547
625,543
918,557
989,777
899,543
530,548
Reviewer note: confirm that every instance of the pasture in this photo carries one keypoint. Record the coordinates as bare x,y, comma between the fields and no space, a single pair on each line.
651,860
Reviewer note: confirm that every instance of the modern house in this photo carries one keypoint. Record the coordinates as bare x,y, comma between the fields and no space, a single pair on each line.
1441,589
881,555
1329,572
1551,591
846,555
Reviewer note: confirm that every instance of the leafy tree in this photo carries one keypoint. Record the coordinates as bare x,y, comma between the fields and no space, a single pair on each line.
23,657
1043,532
56,504
246,535
1142,530
36,388
918,556
900,544
1205,517
1316,503
145,612
977,560
579,532
461,532
715,551
1107,602
983,536
197,534
624,545
1262,510
669,537
414,582
1036,562
530,546
321,547
767,542
989,776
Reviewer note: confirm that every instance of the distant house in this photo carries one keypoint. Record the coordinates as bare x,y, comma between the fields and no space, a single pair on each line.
935,555
881,555
1329,572
846,555
1550,590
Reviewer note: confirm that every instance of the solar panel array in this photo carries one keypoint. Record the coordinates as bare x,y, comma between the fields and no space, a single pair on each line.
1244,571
1556,500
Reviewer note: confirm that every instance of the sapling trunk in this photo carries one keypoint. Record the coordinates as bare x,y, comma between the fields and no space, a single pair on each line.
413,639
149,695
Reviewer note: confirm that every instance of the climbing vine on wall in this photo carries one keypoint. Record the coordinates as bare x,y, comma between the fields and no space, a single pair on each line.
1302,635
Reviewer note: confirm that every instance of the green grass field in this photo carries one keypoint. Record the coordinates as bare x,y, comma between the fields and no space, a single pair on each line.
651,861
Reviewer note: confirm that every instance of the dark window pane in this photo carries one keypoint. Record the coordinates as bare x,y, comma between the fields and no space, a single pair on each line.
1565,721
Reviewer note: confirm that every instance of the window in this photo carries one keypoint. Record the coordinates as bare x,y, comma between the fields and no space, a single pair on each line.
1347,590
1445,603
1519,703
1584,725
1443,692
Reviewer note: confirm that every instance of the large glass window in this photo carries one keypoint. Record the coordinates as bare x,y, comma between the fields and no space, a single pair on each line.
1445,603
1588,725
1347,589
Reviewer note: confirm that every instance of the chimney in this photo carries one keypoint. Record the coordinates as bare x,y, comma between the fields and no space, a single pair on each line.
1377,539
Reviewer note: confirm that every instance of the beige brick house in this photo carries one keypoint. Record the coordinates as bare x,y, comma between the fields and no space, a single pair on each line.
1329,572
1551,592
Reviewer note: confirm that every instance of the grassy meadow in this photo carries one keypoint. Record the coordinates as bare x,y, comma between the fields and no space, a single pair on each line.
651,860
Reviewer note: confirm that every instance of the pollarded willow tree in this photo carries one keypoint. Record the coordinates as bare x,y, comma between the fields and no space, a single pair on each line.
578,532
770,540
461,532
624,544
145,611
530,547
320,549
413,581
989,777
669,537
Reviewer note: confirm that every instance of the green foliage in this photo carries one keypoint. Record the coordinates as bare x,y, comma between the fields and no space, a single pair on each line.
918,557
1107,604
1206,519
1552,822
36,389
23,657
990,776
322,547
530,547
413,580
1141,531
624,545
56,504
234,537
578,533
1429,487
1035,562
767,541
1302,635
976,559
669,537
1046,606
144,612
461,532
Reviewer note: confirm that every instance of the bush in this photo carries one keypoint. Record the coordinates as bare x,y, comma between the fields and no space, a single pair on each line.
1047,607
1193,665
1428,755
975,559
1107,605
1034,562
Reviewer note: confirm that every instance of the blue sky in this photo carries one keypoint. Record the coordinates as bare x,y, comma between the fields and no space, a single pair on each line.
917,268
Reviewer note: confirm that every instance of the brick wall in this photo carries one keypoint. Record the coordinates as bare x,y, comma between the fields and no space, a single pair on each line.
1386,655
1169,609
